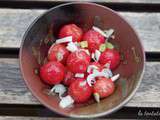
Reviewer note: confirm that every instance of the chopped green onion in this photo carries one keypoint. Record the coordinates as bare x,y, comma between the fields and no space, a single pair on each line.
36,71
102,47
59,56
84,44
109,45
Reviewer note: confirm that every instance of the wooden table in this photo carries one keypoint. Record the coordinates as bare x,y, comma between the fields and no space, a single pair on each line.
16,101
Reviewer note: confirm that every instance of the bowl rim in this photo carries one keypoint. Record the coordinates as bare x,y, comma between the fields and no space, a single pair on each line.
116,108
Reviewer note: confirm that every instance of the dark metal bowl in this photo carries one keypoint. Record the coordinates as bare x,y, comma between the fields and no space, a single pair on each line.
34,48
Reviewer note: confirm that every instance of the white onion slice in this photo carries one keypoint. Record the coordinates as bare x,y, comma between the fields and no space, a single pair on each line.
59,89
76,43
93,56
97,55
95,71
64,40
79,75
91,78
99,31
107,65
91,67
72,47
107,71
66,101
109,33
86,50
115,77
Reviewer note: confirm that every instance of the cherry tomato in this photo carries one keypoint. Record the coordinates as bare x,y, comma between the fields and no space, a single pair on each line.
110,56
94,40
80,91
58,52
78,61
52,72
71,30
69,78
103,87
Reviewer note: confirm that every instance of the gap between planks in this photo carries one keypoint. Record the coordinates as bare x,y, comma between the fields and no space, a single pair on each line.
14,53
29,118
45,118
42,112
105,1
120,5
14,91
14,23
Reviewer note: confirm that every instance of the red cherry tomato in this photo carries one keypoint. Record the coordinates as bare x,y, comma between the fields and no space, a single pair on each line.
69,78
103,87
80,91
52,73
58,52
110,56
94,40
78,61
71,30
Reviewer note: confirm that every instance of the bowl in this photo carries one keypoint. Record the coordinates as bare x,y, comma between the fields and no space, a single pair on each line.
39,35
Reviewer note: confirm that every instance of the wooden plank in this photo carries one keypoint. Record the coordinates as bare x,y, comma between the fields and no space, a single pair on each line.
12,87
14,22
14,91
147,26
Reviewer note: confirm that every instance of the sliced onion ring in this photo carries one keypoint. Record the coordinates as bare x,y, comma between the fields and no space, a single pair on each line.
72,47
115,77
66,101
60,89
64,40
97,55
99,31
91,67
79,75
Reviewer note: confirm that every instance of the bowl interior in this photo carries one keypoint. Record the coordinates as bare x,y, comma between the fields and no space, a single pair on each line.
36,43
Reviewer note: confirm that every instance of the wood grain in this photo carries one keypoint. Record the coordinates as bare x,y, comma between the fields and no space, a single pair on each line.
13,89
14,23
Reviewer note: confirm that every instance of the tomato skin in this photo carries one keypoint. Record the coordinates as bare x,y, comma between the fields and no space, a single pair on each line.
80,91
58,52
69,78
104,87
78,61
52,72
71,30
111,56
94,40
